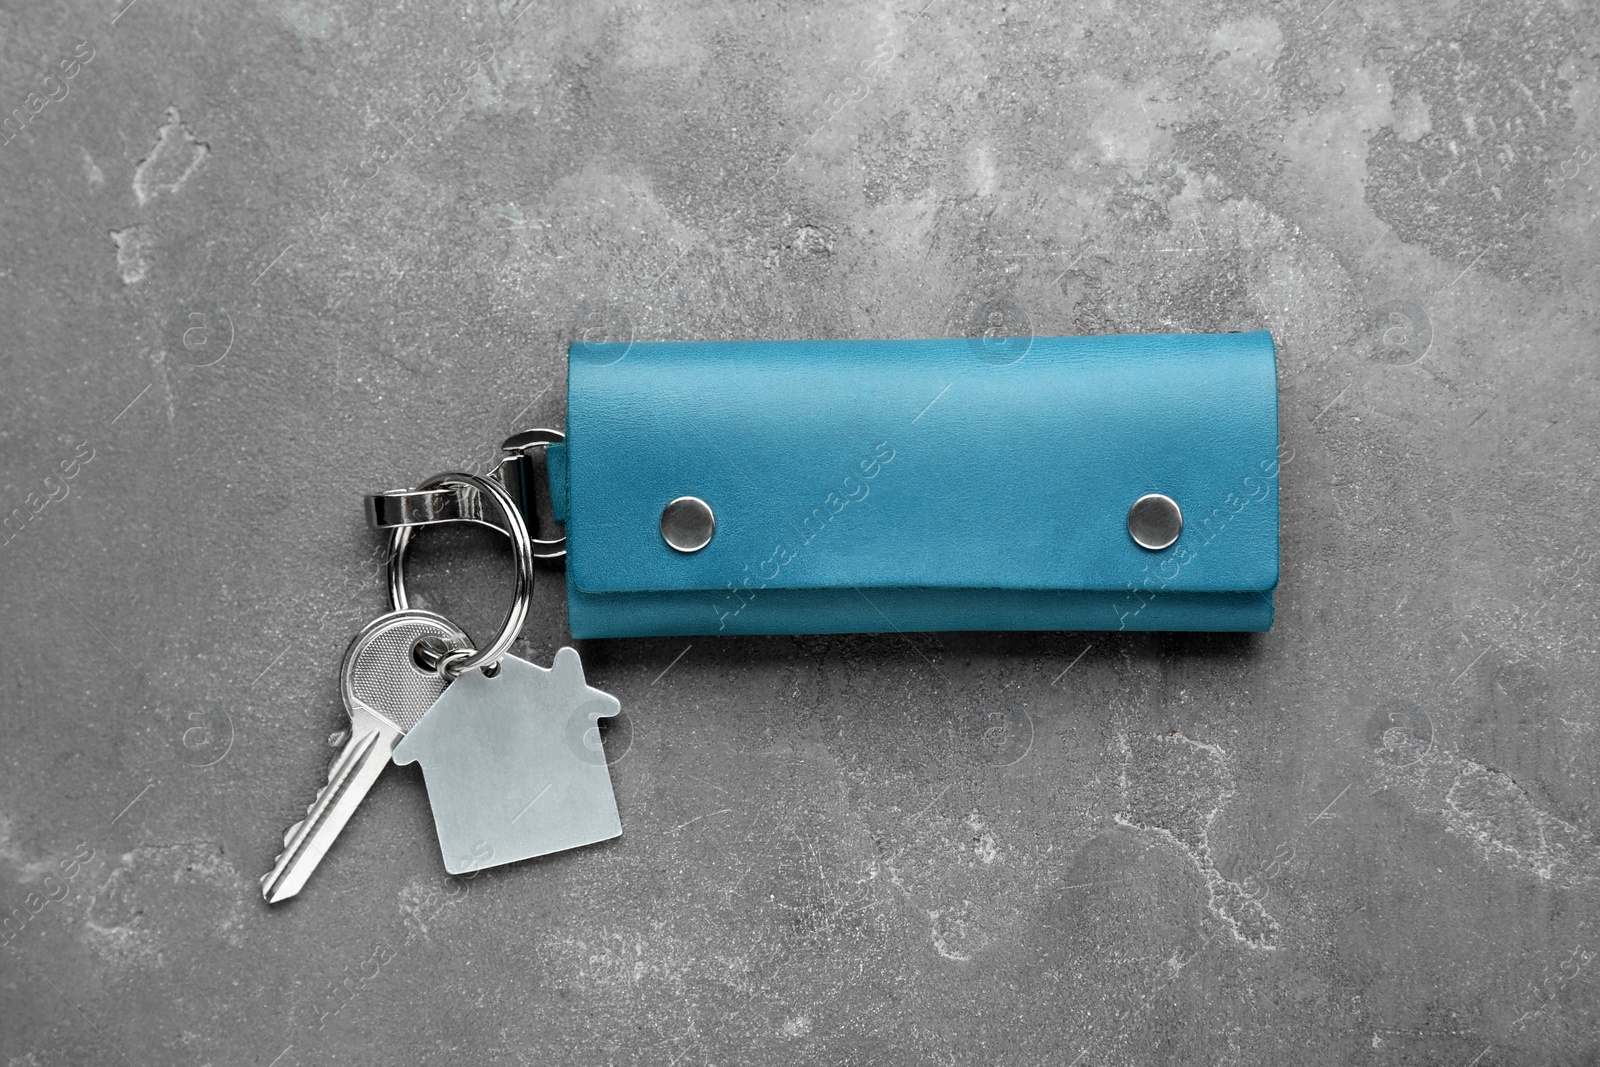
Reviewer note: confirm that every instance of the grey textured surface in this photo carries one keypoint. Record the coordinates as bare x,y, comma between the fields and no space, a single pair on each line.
262,256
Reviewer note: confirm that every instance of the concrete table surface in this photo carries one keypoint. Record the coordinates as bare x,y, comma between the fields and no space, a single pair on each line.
261,257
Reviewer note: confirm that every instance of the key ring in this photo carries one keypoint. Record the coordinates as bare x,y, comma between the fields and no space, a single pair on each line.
456,663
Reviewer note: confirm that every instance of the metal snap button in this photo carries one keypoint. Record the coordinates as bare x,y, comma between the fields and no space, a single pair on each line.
687,524
1155,521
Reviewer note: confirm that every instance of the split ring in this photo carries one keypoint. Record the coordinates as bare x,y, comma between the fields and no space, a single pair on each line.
521,548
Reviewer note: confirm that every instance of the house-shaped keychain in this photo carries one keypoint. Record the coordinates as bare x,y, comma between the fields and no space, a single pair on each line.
511,770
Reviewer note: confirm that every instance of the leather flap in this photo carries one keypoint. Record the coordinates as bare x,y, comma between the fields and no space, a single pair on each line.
873,464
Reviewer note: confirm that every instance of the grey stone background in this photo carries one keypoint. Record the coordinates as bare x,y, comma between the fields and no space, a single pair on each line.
263,256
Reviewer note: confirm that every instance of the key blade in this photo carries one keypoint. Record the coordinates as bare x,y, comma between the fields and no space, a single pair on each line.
352,776
386,692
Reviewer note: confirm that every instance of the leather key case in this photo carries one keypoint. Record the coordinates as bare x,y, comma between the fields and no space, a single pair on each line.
870,486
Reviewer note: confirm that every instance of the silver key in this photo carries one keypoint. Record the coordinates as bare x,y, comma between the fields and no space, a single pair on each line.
385,693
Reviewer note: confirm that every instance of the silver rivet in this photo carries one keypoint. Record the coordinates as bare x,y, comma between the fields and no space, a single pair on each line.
1154,521
687,524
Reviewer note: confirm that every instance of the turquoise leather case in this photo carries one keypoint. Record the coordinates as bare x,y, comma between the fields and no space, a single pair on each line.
864,486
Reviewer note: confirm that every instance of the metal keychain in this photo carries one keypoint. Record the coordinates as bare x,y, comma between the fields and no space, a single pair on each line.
504,750
393,674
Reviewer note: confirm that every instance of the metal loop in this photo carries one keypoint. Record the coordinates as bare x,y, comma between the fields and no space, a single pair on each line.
431,653
428,507
521,548
450,664
518,448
